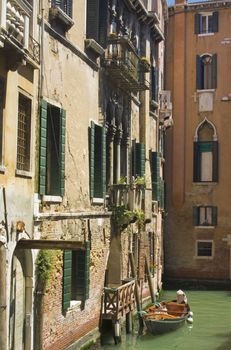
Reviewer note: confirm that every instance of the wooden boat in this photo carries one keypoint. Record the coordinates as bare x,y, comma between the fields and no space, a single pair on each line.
166,316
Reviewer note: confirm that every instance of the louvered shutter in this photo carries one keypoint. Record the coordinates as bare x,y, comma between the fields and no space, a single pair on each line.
103,162
92,157
215,21
67,277
134,158
198,73
62,135
140,159
214,71
93,19
43,147
195,216
68,7
97,163
197,21
215,160
103,22
196,162
156,180
81,277
214,216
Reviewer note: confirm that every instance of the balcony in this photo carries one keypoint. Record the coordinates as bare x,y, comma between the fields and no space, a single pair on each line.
124,66
118,301
15,39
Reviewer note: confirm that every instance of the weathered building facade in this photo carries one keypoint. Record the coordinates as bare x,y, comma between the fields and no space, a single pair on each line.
81,162
197,238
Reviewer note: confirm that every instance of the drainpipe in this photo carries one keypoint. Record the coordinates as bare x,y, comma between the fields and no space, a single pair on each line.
3,330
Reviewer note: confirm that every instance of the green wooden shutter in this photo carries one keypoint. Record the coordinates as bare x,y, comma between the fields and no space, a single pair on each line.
197,20
43,147
134,158
155,172
92,157
62,134
198,72
215,160
196,162
214,71
93,19
103,22
81,278
98,163
140,159
195,216
68,8
214,216
103,162
215,21
67,276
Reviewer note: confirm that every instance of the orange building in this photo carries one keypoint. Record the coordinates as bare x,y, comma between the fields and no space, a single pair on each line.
198,240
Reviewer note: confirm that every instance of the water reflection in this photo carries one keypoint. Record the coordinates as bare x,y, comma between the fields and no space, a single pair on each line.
211,329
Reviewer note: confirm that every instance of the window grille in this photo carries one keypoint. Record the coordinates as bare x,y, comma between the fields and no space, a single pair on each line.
23,139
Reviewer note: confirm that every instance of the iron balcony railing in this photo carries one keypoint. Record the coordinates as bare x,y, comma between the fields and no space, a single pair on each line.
124,65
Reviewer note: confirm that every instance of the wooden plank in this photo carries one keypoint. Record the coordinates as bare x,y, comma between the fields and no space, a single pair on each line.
50,244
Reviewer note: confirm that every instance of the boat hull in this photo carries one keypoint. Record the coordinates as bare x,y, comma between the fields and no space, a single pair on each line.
163,326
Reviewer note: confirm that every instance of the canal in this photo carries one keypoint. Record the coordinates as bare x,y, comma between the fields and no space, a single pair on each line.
211,329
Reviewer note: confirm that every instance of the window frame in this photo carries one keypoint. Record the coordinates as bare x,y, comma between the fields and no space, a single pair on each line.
197,161
197,216
214,16
26,171
202,83
212,249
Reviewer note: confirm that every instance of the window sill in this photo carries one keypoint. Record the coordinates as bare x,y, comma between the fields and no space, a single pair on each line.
205,90
75,304
206,227
54,199
23,173
205,183
2,169
205,34
94,46
57,13
204,257
97,200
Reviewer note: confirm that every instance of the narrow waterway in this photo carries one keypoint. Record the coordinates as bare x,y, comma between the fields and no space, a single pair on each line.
211,329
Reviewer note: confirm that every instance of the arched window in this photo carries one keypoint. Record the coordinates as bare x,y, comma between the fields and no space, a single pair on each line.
205,153
206,72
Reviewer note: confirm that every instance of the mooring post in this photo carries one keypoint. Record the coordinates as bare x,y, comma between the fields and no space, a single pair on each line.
117,332
129,324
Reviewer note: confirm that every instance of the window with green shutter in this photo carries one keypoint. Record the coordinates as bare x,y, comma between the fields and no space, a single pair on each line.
97,20
206,72
138,159
155,160
97,160
76,275
52,150
65,5
206,22
205,216
205,167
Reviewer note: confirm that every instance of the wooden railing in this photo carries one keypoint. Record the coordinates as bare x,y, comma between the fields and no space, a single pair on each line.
118,301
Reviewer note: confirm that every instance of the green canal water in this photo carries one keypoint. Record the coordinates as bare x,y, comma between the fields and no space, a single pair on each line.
211,329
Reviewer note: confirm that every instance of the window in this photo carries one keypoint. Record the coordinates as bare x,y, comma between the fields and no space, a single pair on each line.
204,248
154,84
24,133
205,216
97,160
97,19
76,275
138,159
206,69
2,105
205,155
64,5
155,160
52,150
151,253
206,22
